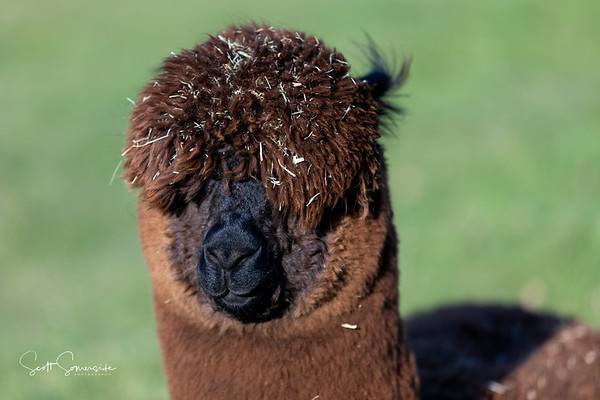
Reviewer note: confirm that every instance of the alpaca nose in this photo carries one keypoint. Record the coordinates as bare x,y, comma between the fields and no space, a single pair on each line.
234,260
239,270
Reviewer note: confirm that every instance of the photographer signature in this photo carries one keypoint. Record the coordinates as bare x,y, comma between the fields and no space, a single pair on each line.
64,362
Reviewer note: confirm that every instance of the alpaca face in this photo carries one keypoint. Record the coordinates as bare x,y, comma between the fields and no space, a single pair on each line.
260,149
240,255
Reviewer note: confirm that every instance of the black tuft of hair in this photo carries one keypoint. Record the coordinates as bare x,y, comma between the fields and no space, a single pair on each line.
384,78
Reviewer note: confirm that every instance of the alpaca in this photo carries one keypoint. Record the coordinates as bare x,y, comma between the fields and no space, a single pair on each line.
471,352
265,221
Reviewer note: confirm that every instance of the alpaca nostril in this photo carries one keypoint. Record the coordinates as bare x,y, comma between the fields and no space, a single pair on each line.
212,256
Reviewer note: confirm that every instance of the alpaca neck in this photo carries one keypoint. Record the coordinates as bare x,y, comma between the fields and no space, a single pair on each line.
370,361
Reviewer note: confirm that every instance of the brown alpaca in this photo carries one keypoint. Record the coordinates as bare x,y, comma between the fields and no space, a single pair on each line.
265,222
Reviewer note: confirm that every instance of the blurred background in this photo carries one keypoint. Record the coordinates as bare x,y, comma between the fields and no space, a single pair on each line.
495,170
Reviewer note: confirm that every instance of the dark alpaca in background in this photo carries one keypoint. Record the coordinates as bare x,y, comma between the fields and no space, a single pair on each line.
265,221
502,352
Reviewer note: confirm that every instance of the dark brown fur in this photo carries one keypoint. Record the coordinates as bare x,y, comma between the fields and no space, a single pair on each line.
279,102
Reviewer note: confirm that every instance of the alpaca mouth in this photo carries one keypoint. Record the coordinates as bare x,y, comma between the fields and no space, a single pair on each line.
253,307
228,293
234,299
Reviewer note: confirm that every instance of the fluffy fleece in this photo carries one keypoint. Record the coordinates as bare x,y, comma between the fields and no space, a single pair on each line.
257,102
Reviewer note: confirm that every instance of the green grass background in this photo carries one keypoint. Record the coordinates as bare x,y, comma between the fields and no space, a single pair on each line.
495,171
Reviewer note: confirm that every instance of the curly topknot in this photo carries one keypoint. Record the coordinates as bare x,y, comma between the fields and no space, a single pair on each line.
257,102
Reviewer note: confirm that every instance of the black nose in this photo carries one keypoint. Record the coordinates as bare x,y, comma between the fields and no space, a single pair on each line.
236,268
228,249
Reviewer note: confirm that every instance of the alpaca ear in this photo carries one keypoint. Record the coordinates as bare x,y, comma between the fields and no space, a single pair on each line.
384,79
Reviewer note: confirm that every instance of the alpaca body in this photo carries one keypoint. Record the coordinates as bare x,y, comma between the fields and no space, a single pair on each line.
334,363
315,356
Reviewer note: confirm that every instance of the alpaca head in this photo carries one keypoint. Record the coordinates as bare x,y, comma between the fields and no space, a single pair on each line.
256,158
